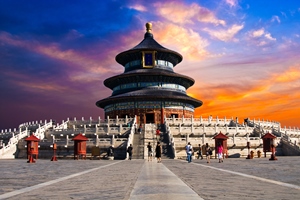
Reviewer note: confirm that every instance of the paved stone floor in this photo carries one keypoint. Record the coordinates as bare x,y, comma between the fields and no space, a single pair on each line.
235,178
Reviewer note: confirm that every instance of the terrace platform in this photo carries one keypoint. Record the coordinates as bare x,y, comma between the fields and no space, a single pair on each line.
236,178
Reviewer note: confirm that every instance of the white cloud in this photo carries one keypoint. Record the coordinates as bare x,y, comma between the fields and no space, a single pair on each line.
268,36
283,14
275,18
258,33
225,35
260,37
138,7
232,3
261,33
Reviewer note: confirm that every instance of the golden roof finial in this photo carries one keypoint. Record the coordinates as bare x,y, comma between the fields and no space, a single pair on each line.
148,27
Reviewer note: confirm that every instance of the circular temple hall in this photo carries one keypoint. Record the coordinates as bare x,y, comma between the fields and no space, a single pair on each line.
149,88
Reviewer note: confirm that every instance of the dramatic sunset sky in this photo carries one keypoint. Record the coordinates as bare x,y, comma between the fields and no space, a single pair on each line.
243,54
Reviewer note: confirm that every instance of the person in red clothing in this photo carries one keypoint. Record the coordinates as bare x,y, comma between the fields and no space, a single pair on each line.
157,134
220,152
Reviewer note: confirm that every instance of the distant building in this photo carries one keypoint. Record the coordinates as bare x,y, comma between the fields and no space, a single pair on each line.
149,88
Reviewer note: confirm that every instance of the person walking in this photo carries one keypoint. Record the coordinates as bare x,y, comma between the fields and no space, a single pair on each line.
158,151
157,135
208,152
200,152
140,129
189,152
220,152
150,152
130,151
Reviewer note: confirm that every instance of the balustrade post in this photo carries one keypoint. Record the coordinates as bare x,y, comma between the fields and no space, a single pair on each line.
67,140
112,140
192,127
187,137
97,140
233,137
108,129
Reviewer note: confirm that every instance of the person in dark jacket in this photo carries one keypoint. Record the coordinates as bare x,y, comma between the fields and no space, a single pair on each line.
130,151
158,151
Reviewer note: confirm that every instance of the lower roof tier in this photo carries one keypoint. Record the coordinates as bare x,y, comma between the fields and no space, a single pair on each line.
149,75
150,95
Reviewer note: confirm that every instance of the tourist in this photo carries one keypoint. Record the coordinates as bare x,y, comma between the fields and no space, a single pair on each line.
208,152
130,150
158,151
140,129
200,152
220,152
157,134
189,152
150,153
110,151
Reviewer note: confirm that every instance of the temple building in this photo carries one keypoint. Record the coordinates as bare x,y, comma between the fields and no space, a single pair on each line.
149,88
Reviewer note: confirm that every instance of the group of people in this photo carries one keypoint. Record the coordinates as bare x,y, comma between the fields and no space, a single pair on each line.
158,151
203,150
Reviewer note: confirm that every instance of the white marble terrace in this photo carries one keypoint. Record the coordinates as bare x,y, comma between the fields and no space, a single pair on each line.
180,130
202,130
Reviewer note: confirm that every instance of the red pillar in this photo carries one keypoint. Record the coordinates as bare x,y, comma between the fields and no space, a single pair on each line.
162,116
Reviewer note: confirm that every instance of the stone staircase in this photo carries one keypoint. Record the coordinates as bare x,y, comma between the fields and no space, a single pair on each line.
167,152
138,146
289,148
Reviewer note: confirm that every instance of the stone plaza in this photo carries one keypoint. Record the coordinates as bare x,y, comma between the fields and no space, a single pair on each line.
236,178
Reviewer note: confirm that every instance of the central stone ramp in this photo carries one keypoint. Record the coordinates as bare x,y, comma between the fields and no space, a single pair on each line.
157,182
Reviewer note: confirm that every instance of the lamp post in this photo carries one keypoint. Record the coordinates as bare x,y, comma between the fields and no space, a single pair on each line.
273,157
248,146
54,158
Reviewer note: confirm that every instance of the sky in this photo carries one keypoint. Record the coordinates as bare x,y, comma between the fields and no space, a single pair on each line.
242,54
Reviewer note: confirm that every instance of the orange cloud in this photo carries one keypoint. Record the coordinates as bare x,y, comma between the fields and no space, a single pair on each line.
178,12
292,74
179,39
255,100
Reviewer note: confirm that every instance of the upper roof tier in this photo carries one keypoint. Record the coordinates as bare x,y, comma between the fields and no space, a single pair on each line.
149,44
